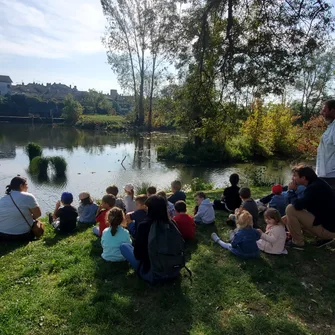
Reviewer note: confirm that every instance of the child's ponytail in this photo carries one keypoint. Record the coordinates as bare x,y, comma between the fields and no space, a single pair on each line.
115,218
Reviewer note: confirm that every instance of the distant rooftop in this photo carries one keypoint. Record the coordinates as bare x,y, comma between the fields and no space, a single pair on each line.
5,79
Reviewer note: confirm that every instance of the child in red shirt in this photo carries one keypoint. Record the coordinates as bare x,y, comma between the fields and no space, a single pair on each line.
108,202
185,222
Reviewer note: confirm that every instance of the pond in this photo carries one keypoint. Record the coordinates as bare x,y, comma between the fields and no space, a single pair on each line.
94,162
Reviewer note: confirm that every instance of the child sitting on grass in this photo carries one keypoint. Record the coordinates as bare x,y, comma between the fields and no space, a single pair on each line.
277,200
274,238
129,199
169,205
178,194
64,218
108,202
230,199
114,236
185,222
243,243
151,190
205,213
135,218
248,204
87,209
113,189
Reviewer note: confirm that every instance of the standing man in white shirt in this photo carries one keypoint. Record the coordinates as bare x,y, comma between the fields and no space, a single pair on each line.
325,160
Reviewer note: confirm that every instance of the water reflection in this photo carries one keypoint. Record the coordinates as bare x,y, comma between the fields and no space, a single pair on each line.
94,162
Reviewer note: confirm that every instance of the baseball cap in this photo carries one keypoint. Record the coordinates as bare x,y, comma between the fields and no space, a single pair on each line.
67,198
277,189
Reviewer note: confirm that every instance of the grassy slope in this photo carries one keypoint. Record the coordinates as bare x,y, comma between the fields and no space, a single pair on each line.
62,286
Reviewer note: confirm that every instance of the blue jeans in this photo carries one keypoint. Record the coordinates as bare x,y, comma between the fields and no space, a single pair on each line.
132,229
127,251
96,231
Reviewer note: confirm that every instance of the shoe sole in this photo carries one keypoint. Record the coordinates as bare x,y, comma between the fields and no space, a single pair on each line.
295,247
324,244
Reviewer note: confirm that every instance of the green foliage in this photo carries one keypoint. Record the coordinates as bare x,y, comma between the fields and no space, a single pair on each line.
95,102
72,110
105,122
59,164
39,166
257,176
142,188
270,130
198,184
33,150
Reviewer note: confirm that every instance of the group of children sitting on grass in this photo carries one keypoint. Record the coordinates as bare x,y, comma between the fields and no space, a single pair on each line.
118,218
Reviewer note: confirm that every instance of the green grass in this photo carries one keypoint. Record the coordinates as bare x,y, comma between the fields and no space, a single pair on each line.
106,122
60,285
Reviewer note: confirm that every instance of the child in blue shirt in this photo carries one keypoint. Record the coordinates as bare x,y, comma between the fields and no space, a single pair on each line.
244,239
114,236
135,218
87,209
278,200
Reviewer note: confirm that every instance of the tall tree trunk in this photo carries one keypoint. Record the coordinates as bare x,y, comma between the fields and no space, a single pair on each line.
141,98
151,92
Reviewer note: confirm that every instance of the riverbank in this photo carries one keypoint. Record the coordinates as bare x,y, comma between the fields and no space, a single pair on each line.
60,285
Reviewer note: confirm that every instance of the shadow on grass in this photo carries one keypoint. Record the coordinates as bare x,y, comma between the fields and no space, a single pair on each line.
8,247
303,279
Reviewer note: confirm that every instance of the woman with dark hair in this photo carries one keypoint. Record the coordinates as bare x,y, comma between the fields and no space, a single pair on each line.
138,256
13,226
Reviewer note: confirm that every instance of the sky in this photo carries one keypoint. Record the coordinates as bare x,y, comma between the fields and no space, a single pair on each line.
55,41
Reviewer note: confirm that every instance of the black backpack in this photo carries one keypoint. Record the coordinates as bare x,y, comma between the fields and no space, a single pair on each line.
166,250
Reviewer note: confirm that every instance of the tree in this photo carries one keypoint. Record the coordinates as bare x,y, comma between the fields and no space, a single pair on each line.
314,82
136,31
72,109
96,102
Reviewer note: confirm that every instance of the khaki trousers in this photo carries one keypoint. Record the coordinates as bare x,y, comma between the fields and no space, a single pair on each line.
299,222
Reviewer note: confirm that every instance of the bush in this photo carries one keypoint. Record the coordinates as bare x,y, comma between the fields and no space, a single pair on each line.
309,136
142,188
59,164
33,150
39,166
72,110
198,184
257,176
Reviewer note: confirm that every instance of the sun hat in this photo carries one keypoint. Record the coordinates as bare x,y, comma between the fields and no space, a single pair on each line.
84,195
67,198
277,189
129,187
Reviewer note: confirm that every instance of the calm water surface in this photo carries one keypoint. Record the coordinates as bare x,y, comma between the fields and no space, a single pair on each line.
94,162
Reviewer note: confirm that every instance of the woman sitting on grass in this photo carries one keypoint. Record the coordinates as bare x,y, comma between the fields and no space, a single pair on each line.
13,224
244,239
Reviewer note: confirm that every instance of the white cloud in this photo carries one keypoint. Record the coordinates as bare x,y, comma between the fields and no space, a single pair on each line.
51,29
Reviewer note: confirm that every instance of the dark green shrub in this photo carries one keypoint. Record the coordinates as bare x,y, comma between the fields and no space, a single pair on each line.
198,184
33,150
39,166
59,165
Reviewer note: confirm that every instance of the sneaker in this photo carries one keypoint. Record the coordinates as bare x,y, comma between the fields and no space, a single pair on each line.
322,243
215,237
291,244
